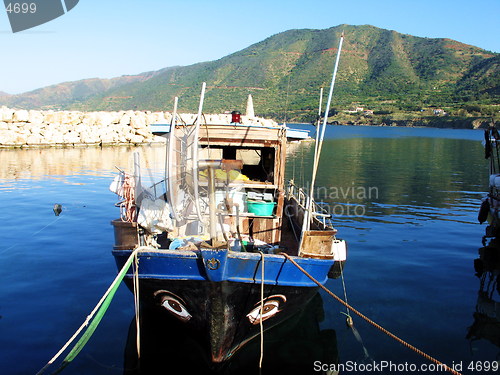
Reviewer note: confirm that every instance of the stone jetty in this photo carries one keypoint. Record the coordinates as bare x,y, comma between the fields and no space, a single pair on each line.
33,128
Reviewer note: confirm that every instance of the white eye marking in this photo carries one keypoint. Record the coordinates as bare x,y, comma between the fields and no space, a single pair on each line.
175,307
270,308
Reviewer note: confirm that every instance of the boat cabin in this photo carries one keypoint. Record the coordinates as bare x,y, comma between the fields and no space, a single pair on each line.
261,152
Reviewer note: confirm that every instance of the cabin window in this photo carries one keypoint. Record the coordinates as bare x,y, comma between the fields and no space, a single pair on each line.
258,163
249,157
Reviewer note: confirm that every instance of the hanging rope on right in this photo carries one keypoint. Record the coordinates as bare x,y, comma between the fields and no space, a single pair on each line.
401,341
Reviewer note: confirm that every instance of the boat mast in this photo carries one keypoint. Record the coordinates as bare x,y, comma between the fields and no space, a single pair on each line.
195,153
318,122
319,143
170,158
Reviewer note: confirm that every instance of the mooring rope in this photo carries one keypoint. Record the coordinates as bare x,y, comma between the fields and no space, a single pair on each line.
99,311
136,305
261,313
378,326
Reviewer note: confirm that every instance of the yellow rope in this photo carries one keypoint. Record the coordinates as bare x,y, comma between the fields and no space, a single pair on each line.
401,341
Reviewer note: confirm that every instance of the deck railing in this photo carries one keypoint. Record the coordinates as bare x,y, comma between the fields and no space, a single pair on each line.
320,213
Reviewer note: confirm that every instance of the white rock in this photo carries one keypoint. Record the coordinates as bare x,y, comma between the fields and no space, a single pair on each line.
7,137
89,137
34,139
136,139
35,117
145,132
104,119
20,138
73,118
51,117
108,138
71,137
138,120
6,114
125,120
156,118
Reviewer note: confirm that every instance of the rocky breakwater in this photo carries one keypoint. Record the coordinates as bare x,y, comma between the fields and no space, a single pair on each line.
23,128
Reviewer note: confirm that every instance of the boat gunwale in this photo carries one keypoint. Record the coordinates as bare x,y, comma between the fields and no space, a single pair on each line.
168,253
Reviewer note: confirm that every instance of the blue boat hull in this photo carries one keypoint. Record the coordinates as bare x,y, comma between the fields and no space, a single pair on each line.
223,265
217,293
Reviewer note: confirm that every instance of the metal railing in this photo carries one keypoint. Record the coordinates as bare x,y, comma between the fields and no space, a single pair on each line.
320,213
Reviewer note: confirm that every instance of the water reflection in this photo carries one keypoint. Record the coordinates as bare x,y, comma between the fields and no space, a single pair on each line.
291,347
391,179
486,325
58,163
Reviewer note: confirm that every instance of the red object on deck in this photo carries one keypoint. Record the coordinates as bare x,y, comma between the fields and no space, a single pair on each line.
236,117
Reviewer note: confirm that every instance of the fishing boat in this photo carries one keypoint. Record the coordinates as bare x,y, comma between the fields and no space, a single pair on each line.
490,207
294,134
222,243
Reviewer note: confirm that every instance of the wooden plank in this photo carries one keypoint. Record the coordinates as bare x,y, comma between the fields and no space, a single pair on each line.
266,229
237,142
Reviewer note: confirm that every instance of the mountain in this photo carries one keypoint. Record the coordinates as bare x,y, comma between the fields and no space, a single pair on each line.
481,81
378,69
69,93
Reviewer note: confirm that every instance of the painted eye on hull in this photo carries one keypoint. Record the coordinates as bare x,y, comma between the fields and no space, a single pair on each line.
270,308
174,306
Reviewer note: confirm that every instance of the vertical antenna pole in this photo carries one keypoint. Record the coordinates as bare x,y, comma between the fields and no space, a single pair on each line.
317,155
171,144
318,125
195,154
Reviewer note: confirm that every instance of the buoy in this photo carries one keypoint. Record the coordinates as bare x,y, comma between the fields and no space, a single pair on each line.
483,211
57,209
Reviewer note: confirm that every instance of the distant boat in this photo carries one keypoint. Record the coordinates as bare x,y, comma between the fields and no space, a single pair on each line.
213,232
291,134
296,134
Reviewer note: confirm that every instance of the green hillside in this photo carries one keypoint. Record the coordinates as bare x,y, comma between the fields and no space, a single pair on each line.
380,70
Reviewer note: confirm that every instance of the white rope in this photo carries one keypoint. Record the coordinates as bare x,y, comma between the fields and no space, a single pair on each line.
343,285
261,313
136,305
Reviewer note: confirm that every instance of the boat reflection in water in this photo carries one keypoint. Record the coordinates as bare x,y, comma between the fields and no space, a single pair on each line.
291,347
486,323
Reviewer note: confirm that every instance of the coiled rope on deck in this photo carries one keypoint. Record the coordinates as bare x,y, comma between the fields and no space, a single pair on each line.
378,326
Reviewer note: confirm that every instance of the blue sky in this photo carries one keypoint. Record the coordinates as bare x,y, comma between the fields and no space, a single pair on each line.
106,39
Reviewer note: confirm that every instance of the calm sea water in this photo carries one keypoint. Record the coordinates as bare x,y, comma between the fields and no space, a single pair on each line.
406,201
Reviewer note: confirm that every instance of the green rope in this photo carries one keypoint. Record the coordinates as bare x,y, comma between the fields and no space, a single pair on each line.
104,304
95,322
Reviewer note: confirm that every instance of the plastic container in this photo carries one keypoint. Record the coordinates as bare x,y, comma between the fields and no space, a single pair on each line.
260,208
